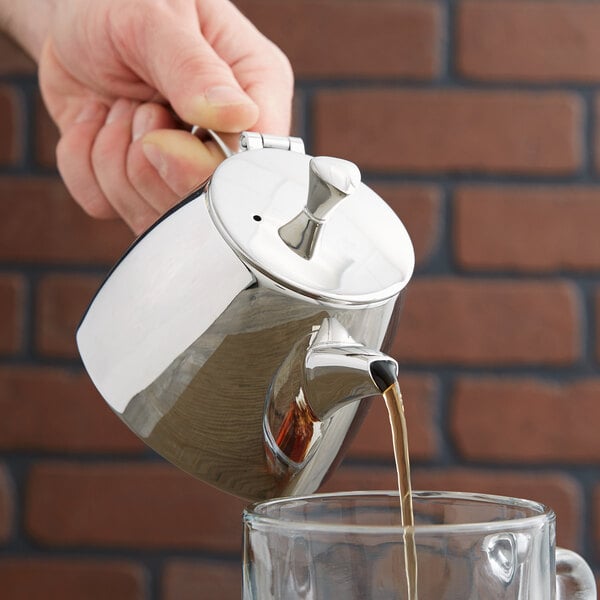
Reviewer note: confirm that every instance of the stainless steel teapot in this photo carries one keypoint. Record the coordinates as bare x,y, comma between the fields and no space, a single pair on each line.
239,334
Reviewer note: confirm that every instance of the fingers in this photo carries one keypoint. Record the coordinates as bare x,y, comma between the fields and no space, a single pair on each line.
125,162
142,174
73,156
181,159
143,168
259,66
165,165
215,68
185,69
269,80
109,161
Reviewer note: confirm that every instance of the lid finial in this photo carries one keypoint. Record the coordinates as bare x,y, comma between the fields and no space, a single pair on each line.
330,181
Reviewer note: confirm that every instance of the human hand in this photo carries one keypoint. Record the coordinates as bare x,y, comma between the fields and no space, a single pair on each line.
108,69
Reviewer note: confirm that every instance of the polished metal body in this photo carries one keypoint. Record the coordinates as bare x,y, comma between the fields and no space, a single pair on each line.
234,355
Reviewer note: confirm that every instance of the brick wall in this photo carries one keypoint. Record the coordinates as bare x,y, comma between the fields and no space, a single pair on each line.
478,122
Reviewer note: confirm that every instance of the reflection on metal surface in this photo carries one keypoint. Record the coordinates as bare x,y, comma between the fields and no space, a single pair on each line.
330,181
320,375
204,336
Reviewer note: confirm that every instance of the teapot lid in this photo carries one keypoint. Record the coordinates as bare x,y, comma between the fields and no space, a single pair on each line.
309,225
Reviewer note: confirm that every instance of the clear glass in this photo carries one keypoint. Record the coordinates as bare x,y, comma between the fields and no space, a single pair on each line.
351,546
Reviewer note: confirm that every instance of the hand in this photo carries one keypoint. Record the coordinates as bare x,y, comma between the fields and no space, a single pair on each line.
110,68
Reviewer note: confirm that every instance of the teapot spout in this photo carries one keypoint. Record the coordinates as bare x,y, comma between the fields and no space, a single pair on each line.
336,374
319,377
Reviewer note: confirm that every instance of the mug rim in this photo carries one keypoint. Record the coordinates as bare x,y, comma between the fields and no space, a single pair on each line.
542,514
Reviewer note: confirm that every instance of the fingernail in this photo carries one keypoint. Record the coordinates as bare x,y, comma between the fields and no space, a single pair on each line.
141,121
91,111
223,95
119,109
156,158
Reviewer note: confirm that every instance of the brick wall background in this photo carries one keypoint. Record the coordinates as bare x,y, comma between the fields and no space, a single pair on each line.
478,122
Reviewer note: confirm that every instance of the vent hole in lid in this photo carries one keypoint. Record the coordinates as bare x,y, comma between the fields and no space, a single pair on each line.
257,218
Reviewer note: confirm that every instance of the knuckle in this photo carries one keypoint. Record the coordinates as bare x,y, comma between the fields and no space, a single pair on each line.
192,66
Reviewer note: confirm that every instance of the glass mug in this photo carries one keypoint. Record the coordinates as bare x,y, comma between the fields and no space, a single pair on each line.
351,546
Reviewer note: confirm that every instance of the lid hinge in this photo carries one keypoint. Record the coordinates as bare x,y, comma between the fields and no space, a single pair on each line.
250,140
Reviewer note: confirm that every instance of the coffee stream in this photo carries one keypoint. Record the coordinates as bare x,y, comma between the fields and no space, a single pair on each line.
388,384
395,407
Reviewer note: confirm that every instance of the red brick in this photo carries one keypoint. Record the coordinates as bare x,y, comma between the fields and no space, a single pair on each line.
11,312
419,208
596,151
13,60
349,478
554,489
201,580
353,38
62,301
129,505
10,120
298,113
526,420
71,579
46,137
451,130
595,521
6,505
59,411
374,440
597,321
527,229
40,222
529,41
489,322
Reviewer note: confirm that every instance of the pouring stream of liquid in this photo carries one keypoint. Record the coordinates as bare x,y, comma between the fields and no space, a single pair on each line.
395,407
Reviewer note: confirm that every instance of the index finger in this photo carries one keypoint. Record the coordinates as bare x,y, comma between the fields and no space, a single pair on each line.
260,67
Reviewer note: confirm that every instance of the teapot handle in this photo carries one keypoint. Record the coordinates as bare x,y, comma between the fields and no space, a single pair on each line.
200,132
574,578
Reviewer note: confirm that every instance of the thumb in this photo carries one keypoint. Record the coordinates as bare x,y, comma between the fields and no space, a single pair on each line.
198,84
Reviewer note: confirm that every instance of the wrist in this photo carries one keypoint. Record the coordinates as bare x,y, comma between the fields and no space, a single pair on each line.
27,22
